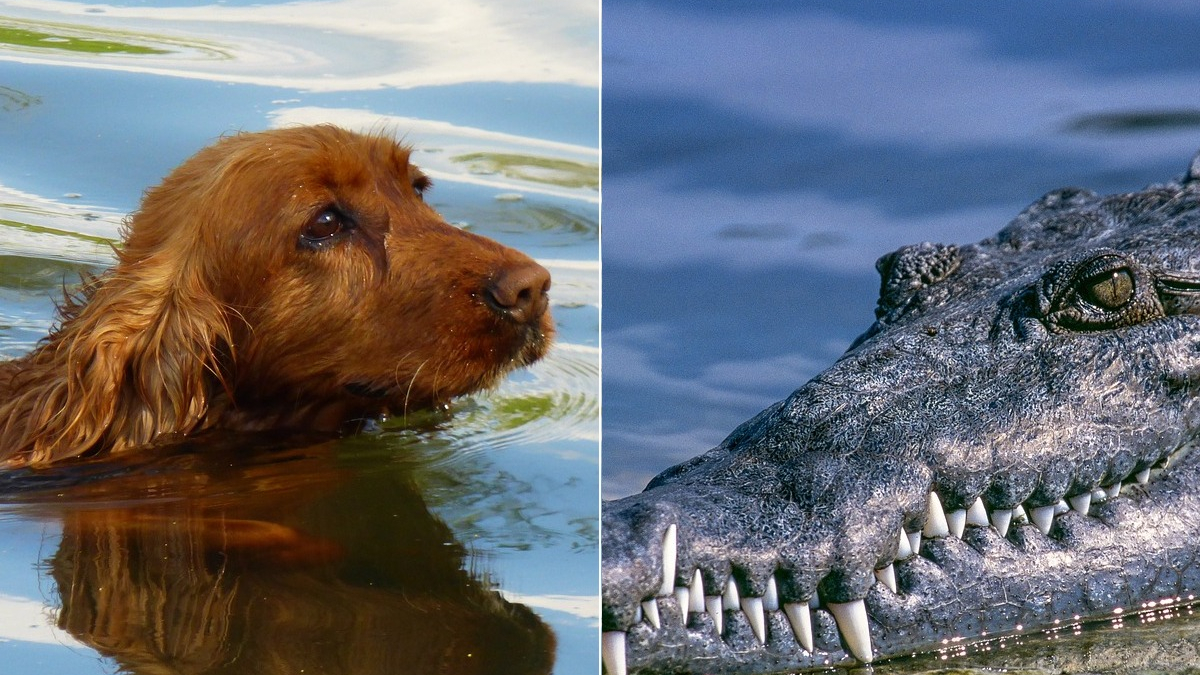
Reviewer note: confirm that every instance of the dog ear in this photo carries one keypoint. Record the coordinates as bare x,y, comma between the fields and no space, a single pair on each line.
137,356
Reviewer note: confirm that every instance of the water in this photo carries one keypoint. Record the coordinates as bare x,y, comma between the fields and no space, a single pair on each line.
458,541
760,156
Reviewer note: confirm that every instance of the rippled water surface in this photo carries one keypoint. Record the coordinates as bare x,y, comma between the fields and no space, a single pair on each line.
759,157
459,542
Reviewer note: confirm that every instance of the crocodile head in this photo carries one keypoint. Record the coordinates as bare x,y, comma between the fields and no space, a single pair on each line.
1005,449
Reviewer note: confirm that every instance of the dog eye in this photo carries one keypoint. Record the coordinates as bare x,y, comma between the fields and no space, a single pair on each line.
421,183
327,226
324,226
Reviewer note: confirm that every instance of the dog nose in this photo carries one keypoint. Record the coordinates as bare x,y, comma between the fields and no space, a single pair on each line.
520,292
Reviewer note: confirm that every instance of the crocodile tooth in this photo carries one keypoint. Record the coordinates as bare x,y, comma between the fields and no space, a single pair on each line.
696,594
887,576
800,617
712,604
1019,514
914,542
957,522
851,618
681,599
814,601
1042,517
637,614
668,561
1001,519
612,651
1061,507
650,609
731,594
977,514
1081,503
771,597
935,519
1100,495
1113,491
753,609
903,549
1143,476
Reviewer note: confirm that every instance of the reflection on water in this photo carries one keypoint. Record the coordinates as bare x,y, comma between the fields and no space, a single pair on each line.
1160,641
323,46
13,99
1135,120
26,288
531,168
227,558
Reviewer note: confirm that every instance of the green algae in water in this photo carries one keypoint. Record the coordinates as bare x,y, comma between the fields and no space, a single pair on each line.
560,172
23,37
38,229
513,413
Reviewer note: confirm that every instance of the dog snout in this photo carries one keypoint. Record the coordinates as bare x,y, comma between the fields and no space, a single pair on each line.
520,292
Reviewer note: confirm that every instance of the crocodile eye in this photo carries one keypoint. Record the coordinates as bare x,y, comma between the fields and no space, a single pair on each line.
1102,291
1108,290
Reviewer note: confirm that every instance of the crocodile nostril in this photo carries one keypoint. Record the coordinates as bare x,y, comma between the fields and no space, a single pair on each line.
520,292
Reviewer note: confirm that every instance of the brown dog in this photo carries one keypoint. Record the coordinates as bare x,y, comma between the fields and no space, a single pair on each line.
285,279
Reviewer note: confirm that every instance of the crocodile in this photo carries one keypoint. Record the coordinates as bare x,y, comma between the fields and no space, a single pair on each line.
1004,450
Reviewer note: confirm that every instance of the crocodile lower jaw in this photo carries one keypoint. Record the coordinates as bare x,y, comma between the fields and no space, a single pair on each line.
729,615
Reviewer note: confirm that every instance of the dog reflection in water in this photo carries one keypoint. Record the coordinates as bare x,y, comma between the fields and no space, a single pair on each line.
255,577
